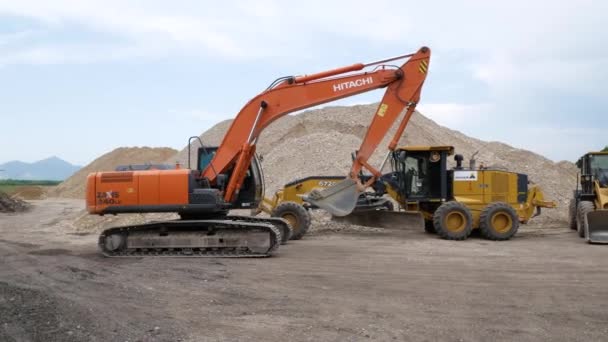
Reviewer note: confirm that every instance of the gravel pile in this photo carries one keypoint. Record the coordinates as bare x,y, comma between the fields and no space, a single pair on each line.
74,187
10,204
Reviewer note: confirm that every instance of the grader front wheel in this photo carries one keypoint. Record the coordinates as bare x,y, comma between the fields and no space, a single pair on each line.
498,221
453,221
297,216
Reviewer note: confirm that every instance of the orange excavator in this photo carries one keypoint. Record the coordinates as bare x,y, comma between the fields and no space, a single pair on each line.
229,176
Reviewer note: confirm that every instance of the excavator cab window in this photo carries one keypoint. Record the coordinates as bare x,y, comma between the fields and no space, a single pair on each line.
251,191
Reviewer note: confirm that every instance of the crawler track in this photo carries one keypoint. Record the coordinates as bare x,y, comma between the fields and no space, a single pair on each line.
286,230
192,238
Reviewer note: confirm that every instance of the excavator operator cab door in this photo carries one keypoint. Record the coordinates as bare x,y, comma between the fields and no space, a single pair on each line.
252,191
420,175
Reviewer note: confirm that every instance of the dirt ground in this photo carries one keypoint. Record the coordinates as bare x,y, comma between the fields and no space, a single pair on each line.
546,284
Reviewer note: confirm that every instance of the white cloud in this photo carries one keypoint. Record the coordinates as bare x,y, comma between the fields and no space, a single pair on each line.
455,115
579,75
520,30
560,143
499,52
201,115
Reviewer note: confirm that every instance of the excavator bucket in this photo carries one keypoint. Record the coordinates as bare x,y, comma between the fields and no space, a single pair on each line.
339,199
596,223
402,220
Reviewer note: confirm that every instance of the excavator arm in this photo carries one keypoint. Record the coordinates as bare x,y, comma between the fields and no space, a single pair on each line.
289,94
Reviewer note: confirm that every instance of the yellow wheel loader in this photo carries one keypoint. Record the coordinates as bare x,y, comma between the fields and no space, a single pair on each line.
589,205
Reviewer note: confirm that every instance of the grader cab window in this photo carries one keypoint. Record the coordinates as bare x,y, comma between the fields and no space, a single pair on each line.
416,181
419,174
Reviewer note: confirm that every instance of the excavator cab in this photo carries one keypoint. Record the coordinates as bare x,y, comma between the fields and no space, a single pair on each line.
252,192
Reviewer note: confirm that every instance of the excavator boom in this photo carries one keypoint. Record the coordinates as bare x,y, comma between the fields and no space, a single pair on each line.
295,93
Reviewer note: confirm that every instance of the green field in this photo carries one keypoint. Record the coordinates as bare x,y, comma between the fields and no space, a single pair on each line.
10,186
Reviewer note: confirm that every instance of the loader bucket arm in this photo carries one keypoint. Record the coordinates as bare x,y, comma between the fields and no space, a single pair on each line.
290,94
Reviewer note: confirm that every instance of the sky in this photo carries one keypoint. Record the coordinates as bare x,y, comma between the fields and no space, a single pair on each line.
80,78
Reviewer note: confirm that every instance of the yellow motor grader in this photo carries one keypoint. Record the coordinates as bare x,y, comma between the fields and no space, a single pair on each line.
452,202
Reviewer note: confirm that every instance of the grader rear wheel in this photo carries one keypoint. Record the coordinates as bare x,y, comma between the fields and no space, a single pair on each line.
297,217
453,221
498,221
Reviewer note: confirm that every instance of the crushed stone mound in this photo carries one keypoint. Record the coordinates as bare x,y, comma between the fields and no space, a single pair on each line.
10,204
320,142
31,192
74,187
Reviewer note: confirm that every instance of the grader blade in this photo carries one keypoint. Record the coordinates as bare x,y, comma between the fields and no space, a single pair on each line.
339,199
402,220
596,223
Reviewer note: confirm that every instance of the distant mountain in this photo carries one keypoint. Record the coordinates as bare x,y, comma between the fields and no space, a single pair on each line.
52,168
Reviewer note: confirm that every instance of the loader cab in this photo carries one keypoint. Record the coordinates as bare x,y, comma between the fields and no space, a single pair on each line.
593,166
252,191
420,172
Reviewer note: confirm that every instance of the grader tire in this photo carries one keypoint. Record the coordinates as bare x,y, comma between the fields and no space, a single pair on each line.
297,216
453,221
498,221
572,214
584,207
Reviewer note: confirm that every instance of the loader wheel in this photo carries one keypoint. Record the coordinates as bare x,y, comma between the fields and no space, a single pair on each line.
453,221
498,221
429,227
572,214
297,216
584,207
